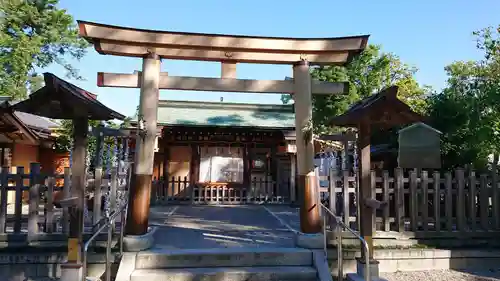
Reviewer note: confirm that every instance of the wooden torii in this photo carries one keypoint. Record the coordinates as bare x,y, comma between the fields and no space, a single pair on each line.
153,45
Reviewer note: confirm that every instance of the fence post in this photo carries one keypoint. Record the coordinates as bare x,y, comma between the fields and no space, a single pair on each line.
113,188
34,199
66,194
3,198
332,183
495,200
18,212
472,200
424,186
346,195
373,184
49,216
459,174
449,201
385,192
399,197
413,201
437,200
96,214
484,202
185,183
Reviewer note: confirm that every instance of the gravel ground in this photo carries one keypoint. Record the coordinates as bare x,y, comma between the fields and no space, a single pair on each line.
442,275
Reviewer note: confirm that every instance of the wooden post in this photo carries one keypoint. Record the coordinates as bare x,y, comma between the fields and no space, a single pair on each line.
365,191
99,146
309,212
77,189
140,191
293,176
97,195
228,69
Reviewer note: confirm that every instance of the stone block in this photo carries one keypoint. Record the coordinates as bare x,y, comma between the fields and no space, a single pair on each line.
310,241
136,243
126,267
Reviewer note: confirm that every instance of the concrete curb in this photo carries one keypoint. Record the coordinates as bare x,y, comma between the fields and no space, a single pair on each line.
321,264
309,241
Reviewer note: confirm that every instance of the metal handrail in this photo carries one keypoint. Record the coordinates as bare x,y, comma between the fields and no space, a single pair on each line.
108,223
340,256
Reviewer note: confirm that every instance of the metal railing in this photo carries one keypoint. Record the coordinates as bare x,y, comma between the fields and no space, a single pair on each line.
109,223
338,227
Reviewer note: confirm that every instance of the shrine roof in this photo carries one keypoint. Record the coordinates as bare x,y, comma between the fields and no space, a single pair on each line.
31,125
59,99
197,113
383,109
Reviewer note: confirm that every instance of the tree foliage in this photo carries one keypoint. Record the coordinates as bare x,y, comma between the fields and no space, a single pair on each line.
34,34
467,111
369,73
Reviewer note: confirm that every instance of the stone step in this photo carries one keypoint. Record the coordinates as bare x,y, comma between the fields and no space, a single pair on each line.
273,273
228,257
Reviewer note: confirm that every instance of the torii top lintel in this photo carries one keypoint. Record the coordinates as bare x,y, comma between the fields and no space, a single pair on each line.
133,42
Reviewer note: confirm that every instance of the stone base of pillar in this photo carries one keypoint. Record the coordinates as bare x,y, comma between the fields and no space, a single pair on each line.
361,269
310,241
71,272
136,243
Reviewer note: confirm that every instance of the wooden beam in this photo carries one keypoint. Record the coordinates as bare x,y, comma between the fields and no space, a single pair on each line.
124,133
8,129
218,84
338,137
111,48
228,70
96,32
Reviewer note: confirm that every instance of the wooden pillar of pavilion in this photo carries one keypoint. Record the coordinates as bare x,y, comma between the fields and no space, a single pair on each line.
140,188
366,213
76,222
309,210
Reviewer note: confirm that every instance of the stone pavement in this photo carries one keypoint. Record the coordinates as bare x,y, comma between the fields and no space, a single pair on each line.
195,227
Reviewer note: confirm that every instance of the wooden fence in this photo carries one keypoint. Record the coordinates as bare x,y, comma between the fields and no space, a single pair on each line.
259,191
430,204
40,218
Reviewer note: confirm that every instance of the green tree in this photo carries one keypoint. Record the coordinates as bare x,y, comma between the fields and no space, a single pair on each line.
467,111
369,73
64,140
34,34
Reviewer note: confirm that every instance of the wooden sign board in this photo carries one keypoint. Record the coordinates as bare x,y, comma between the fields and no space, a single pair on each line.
419,147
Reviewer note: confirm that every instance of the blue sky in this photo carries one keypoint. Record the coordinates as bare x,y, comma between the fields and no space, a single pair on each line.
428,34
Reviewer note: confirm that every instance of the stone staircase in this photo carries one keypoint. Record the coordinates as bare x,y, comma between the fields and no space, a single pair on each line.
227,264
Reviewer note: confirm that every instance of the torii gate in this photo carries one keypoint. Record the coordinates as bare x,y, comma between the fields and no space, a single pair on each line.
152,46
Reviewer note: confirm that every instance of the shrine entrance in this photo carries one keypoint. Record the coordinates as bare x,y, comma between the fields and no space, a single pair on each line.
152,46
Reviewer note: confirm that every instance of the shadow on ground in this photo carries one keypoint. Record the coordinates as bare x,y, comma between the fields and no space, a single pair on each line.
188,227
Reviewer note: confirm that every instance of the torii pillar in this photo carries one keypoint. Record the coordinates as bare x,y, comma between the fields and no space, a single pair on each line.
140,187
310,222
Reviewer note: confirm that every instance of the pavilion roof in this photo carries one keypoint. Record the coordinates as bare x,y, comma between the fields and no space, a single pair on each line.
60,99
383,109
